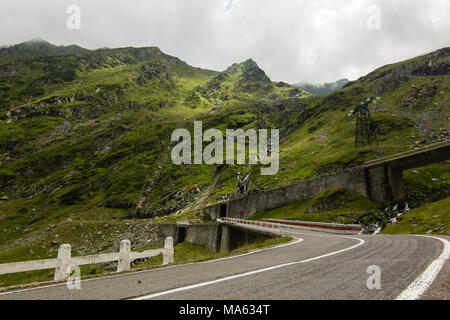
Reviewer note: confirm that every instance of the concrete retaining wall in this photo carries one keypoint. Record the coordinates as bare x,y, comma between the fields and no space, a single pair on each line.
169,230
354,180
216,237
240,236
379,185
208,236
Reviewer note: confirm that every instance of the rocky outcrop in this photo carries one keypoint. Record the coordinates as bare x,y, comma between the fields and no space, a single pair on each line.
437,64
420,97
434,64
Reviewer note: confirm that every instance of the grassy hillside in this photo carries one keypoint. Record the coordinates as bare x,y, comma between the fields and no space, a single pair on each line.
432,218
85,136
85,139
413,112
334,205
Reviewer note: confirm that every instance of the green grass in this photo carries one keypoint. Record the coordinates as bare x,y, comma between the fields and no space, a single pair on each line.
335,205
427,184
434,217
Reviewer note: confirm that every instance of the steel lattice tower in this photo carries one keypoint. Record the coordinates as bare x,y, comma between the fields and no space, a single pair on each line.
365,134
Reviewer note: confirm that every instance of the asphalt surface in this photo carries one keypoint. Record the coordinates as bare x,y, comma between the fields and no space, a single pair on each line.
315,266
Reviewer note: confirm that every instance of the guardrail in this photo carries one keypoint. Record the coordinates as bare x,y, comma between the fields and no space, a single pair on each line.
65,261
321,226
314,226
262,224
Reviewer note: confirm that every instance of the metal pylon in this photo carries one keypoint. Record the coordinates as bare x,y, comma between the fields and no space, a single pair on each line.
365,134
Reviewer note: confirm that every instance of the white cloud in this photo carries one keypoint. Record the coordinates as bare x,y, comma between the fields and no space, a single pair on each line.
303,40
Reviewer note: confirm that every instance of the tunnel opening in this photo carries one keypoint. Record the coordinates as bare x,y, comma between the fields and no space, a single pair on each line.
223,210
181,236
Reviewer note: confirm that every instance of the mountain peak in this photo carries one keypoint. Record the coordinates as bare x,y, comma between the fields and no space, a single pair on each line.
250,63
36,41
246,76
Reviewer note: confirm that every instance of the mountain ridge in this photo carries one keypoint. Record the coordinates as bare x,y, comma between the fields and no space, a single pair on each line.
38,47
322,89
87,138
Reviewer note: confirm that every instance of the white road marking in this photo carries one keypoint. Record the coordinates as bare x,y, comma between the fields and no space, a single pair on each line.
414,290
423,282
295,241
241,275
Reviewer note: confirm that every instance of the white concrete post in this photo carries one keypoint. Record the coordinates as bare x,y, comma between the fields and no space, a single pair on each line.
124,256
168,251
62,272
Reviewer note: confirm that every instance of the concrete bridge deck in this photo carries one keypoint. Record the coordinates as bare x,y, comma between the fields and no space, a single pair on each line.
384,176
416,158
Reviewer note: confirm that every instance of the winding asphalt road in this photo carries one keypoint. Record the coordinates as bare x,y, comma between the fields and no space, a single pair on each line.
313,266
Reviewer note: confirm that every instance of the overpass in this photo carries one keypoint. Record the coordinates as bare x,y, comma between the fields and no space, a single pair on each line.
384,176
380,179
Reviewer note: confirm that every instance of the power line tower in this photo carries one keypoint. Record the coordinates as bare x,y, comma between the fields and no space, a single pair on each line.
365,134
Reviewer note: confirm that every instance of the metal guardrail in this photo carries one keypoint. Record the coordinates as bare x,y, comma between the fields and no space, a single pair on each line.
262,224
315,226
65,261
321,226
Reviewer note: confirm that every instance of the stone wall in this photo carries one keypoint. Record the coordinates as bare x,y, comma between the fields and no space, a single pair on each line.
354,180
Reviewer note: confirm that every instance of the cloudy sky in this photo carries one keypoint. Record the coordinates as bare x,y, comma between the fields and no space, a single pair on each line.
292,40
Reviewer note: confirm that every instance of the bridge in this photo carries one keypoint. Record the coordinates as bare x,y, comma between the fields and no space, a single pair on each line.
380,179
384,176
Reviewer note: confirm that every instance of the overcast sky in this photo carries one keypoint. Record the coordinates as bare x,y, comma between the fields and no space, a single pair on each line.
292,40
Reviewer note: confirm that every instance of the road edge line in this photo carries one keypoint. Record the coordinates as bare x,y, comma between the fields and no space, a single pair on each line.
418,287
294,241
245,274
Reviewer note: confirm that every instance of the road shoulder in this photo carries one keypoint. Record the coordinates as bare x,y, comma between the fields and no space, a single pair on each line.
440,288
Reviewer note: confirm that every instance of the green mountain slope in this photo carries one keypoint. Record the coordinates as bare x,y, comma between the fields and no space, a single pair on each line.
414,112
87,136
